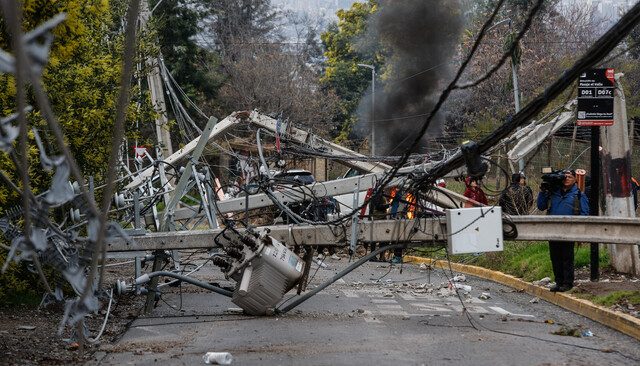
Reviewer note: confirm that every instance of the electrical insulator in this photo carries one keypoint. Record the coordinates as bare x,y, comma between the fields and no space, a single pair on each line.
248,241
235,253
222,263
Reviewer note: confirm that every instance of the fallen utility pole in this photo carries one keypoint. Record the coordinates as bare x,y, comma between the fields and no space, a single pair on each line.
420,232
157,91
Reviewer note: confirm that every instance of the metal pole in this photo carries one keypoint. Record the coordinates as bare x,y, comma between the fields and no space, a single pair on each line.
373,107
516,98
157,92
373,111
594,203
516,89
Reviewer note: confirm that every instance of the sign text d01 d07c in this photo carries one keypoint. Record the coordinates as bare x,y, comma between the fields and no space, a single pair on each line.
595,98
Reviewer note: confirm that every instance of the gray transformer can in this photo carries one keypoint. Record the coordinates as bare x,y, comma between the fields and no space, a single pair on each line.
267,277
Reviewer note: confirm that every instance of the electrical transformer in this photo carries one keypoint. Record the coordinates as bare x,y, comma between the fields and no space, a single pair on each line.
264,273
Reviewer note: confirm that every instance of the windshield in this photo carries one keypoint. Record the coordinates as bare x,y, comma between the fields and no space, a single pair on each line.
298,178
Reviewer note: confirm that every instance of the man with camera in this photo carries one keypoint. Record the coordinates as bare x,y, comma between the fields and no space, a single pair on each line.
559,195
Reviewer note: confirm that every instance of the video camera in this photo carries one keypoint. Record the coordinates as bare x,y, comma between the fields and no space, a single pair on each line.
551,179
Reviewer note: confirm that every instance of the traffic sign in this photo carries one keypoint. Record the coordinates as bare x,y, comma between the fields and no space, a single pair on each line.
595,98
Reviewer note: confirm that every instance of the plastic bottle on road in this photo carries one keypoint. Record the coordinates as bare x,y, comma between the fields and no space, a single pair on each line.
218,358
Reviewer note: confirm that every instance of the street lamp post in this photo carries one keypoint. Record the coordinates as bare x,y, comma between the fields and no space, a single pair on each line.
373,106
516,89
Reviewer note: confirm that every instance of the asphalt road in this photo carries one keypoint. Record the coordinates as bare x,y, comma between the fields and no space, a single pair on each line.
374,316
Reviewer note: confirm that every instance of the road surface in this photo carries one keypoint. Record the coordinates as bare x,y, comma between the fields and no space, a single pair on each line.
374,316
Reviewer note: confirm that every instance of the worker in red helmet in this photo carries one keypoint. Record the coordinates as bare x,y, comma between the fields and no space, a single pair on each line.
474,192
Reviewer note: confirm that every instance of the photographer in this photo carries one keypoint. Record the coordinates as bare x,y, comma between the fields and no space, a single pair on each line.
559,195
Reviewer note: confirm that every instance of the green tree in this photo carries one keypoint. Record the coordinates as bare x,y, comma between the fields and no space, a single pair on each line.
81,80
343,54
194,65
81,77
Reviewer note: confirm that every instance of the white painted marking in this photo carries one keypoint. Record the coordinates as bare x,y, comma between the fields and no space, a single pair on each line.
150,329
393,312
386,306
429,307
500,310
470,308
368,317
407,297
382,301
350,293
427,297
475,300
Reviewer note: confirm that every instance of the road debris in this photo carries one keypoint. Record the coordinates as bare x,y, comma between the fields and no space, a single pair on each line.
466,288
535,300
218,358
320,263
484,296
543,282
459,278
26,327
568,331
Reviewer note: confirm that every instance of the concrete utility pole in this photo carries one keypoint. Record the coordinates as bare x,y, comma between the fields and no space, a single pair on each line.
373,106
616,175
516,89
157,91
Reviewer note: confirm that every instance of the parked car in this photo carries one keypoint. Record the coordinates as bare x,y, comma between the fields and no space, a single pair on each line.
313,208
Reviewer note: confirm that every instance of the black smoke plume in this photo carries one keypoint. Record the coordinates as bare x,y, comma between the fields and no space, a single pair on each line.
419,39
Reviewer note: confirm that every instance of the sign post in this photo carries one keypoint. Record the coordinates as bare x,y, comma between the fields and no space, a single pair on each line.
595,98
595,109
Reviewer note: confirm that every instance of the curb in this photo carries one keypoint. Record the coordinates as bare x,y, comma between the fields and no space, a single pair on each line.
621,322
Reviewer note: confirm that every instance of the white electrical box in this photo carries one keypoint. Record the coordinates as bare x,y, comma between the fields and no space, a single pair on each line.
474,230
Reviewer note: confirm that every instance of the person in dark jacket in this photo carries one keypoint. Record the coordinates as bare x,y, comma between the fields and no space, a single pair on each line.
565,200
518,197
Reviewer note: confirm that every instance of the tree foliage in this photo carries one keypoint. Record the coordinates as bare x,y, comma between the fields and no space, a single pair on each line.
343,54
557,37
81,80
178,25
